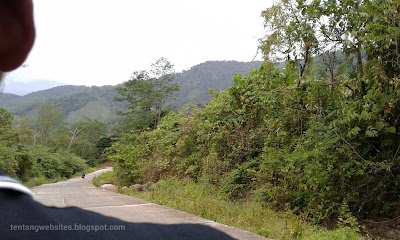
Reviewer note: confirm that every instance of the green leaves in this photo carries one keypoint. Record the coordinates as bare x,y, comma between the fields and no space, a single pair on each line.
49,121
6,119
391,130
353,132
371,132
380,125
383,33
146,94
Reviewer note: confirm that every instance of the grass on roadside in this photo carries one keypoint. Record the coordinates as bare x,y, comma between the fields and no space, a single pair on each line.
204,201
36,181
104,178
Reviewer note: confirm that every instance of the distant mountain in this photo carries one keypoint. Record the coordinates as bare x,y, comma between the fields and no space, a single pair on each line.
217,75
97,103
77,103
21,88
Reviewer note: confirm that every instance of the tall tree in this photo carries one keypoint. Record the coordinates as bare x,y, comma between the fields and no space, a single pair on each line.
6,119
48,122
164,90
147,92
383,34
291,35
138,95
24,130
7,142
342,25
87,134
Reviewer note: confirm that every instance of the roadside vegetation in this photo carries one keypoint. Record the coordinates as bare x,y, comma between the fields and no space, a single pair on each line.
105,178
44,150
318,138
206,201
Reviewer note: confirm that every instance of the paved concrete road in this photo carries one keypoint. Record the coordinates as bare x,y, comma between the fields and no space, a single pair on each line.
81,193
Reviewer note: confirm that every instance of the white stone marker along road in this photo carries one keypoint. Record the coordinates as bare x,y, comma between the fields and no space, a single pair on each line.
81,193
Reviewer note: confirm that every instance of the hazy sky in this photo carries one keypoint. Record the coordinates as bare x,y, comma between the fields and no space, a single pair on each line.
101,42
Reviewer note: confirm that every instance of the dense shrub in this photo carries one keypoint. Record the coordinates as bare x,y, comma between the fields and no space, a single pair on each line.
54,165
301,148
27,162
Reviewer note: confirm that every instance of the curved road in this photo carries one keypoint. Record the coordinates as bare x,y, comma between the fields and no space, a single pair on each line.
81,193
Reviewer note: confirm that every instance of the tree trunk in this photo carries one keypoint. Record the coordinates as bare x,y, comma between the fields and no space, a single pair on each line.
360,70
74,134
35,138
359,62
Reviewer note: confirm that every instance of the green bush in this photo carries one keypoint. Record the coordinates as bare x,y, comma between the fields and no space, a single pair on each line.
41,161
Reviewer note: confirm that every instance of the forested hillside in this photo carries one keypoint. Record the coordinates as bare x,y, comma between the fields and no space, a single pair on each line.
78,102
196,82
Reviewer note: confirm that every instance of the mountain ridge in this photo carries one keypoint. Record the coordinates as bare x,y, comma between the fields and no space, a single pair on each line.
79,102
22,88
